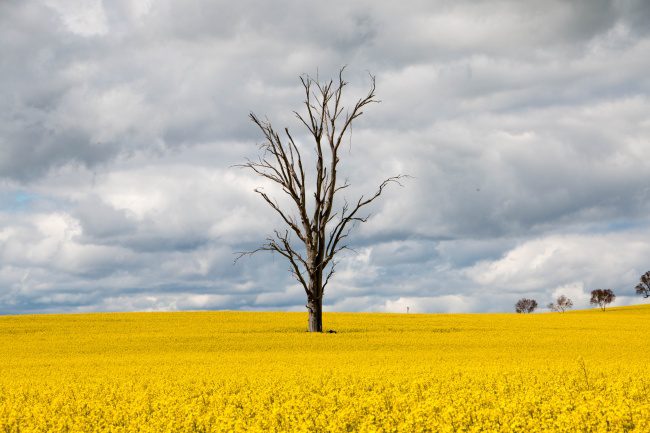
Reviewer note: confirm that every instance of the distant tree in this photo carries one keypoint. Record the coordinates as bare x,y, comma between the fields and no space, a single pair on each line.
525,305
602,297
643,288
561,304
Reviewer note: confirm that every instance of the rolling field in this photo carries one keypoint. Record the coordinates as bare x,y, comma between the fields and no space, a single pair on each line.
585,371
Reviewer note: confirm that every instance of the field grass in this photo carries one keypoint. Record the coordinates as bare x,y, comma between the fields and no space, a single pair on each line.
581,371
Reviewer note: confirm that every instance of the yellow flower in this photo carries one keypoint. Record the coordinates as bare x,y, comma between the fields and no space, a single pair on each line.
260,372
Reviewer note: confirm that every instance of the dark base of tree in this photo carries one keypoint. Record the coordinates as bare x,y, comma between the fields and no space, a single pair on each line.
315,309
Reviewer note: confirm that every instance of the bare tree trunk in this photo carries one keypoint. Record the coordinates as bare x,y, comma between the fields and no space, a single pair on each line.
315,301
315,308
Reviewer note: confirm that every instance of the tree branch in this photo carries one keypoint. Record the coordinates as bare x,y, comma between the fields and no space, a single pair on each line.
328,122
337,234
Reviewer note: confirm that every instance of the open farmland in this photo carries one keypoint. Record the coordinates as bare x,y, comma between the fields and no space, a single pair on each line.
232,371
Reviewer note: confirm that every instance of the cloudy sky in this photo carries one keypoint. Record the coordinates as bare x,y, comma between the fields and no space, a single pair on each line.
525,126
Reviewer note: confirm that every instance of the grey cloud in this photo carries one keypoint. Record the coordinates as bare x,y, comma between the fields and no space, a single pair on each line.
524,125
636,14
105,92
100,220
494,176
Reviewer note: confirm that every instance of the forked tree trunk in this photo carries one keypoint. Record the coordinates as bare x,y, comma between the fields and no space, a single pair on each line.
315,308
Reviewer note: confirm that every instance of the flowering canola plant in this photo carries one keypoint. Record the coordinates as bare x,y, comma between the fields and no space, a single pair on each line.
583,371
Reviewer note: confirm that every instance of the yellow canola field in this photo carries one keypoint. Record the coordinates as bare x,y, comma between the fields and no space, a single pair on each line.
583,371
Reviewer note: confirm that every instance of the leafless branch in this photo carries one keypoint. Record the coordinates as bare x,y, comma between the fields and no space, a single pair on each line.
322,232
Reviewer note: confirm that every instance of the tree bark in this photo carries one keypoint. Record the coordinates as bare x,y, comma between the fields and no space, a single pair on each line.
315,308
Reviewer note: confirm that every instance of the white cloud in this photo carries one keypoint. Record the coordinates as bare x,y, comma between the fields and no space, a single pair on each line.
524,125
438,304
83,17
611,260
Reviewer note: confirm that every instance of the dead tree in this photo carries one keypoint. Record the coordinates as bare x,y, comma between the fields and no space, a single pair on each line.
314,231
643,288
602,297
561,304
